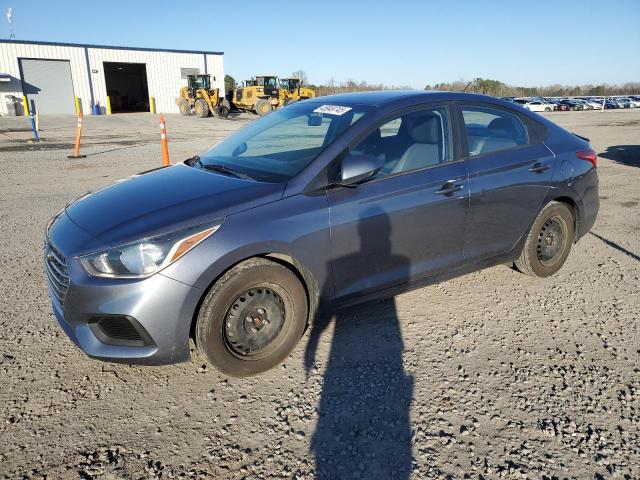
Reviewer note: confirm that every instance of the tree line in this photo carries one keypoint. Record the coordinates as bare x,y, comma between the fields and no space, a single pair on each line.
497,88
485,86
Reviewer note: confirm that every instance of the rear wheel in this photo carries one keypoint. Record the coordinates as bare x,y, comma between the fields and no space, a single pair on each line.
549,241
547,109
185,108
201,108
263,107
252,318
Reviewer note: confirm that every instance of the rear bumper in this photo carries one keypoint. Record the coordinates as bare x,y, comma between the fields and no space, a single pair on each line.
589,206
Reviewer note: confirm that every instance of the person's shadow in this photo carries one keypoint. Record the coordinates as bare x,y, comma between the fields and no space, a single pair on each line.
363,428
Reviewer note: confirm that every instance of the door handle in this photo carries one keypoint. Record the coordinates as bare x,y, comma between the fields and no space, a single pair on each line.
450,187
539,167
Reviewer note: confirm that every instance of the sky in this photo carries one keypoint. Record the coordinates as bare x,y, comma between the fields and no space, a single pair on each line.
400,42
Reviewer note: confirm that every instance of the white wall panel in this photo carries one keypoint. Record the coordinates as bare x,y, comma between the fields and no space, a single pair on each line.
163,70
10,52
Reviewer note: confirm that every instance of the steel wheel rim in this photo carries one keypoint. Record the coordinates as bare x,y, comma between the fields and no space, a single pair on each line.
551,240
254,322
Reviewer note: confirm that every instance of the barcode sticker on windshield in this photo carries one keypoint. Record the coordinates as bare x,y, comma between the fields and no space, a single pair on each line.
332,109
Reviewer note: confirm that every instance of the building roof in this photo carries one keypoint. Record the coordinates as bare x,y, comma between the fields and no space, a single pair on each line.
112,47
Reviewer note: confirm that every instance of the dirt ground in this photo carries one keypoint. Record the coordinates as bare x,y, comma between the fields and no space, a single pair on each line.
491,375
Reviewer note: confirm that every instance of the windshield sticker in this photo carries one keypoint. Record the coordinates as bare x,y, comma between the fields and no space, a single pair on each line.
332,109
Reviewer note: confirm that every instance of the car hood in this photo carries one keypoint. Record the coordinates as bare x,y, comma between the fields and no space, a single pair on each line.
165,200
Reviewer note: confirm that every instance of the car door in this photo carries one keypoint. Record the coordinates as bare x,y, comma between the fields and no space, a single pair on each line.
408,221
510,171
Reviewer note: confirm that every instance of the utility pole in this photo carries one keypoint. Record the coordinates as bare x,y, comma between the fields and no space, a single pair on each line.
10,22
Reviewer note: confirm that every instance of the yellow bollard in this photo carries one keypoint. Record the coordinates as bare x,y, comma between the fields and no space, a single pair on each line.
108,106
152,104
25,102
78,109
37,121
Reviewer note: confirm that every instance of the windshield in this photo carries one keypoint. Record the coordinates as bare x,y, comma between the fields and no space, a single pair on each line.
280,145
200,82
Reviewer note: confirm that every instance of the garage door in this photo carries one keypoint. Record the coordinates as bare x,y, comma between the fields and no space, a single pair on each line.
48,83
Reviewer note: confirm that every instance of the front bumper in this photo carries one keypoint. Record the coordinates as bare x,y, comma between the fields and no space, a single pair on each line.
162,308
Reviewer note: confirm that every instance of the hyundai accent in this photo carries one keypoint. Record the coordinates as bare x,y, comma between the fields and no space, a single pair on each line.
324,203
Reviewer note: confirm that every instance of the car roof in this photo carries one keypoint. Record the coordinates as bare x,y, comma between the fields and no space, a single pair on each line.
379,98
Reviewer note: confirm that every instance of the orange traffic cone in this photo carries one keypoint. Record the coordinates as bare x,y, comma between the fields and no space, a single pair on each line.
76,149
163,143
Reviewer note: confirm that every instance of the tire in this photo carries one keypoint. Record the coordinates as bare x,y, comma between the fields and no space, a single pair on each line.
201,108
223,109
263,107
548,242
547,109
229,324
185,108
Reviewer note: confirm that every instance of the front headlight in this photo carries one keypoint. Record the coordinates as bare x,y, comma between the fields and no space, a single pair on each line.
145,257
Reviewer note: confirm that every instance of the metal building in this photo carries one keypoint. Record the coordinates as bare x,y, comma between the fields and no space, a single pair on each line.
52,75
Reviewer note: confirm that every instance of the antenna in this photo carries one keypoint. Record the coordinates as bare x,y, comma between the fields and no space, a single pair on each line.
10,22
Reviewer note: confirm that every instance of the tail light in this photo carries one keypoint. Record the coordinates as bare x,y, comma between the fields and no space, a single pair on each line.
589,156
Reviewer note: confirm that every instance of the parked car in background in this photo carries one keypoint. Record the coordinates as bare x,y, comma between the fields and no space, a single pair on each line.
610,104
585,105
572,105
324,203
538,106
628,102
596,102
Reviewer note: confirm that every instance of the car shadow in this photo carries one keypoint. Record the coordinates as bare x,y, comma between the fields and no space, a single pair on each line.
612,244
624,154
363,428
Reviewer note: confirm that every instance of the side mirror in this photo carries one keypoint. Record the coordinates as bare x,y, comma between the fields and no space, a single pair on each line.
356,168
239,150
314,120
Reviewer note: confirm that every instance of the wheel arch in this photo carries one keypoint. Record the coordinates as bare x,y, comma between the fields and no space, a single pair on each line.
307,279
575,212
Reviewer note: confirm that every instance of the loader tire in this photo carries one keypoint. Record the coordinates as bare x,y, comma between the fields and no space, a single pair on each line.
185,108
223,109
201,108
263,107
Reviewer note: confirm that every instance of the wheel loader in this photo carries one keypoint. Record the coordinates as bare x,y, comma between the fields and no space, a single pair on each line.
260,95
199,97
291,90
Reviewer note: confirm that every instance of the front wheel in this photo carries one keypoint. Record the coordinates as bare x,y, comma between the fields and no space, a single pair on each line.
263,107
549,241
201,108
252,318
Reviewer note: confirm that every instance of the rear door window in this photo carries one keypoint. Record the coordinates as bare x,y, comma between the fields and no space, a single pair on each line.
492,130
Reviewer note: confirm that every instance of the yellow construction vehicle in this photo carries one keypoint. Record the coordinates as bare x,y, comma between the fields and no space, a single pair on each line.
198,96
259,95
291,90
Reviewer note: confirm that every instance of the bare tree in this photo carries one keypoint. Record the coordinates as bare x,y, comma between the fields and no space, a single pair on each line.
300,75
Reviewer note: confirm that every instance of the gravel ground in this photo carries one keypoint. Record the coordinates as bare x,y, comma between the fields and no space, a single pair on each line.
491,375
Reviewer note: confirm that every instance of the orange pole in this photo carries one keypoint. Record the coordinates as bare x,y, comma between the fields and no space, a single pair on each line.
76,149
163,142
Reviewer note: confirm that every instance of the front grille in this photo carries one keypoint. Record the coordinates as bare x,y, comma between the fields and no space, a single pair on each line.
57,273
